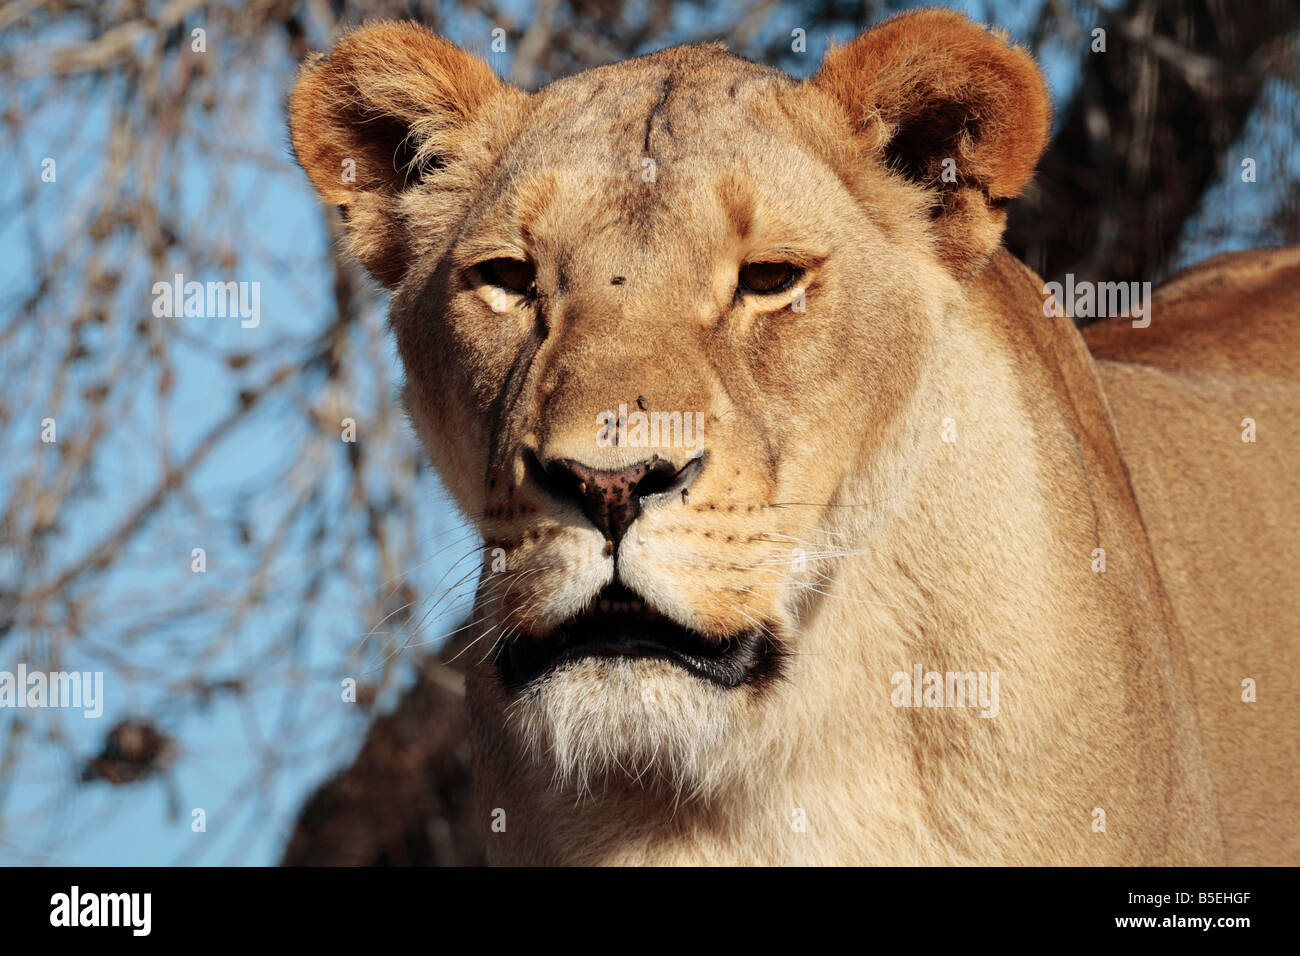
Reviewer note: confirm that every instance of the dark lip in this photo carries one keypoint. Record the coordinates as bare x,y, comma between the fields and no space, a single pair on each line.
745,657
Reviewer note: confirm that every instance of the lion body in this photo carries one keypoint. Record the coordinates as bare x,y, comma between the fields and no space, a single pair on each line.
1222,517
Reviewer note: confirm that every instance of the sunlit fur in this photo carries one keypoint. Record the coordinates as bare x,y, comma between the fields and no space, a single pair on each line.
834,512
600,718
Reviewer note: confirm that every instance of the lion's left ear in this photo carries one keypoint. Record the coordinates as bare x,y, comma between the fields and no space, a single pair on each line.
952,107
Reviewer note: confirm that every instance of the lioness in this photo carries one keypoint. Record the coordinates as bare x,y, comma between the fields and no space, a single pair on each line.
926,581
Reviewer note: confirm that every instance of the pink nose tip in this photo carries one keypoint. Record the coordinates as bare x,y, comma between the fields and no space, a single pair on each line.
611,499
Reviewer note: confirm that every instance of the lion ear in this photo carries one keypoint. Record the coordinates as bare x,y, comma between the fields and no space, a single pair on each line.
368,119
953,108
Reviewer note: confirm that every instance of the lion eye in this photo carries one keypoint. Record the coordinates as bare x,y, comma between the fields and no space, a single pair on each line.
513,275
766,278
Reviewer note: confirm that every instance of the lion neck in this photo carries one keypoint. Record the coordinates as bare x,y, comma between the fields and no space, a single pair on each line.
975,555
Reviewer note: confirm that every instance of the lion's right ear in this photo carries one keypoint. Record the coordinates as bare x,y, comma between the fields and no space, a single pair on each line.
368,119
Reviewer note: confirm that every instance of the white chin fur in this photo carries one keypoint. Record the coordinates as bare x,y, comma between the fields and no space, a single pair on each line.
597,720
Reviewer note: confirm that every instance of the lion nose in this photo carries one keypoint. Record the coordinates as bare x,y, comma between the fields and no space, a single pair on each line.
612,499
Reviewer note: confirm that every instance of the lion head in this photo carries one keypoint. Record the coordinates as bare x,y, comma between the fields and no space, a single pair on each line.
665,324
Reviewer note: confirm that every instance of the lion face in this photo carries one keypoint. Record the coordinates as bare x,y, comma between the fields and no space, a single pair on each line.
642,360
663,325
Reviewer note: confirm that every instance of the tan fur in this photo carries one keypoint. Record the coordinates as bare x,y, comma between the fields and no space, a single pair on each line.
831,510
1222,514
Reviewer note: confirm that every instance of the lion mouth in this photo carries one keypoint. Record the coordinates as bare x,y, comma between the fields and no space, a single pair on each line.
620,624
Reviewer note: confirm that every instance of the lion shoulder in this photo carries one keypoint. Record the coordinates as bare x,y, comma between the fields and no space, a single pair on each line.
1235,317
